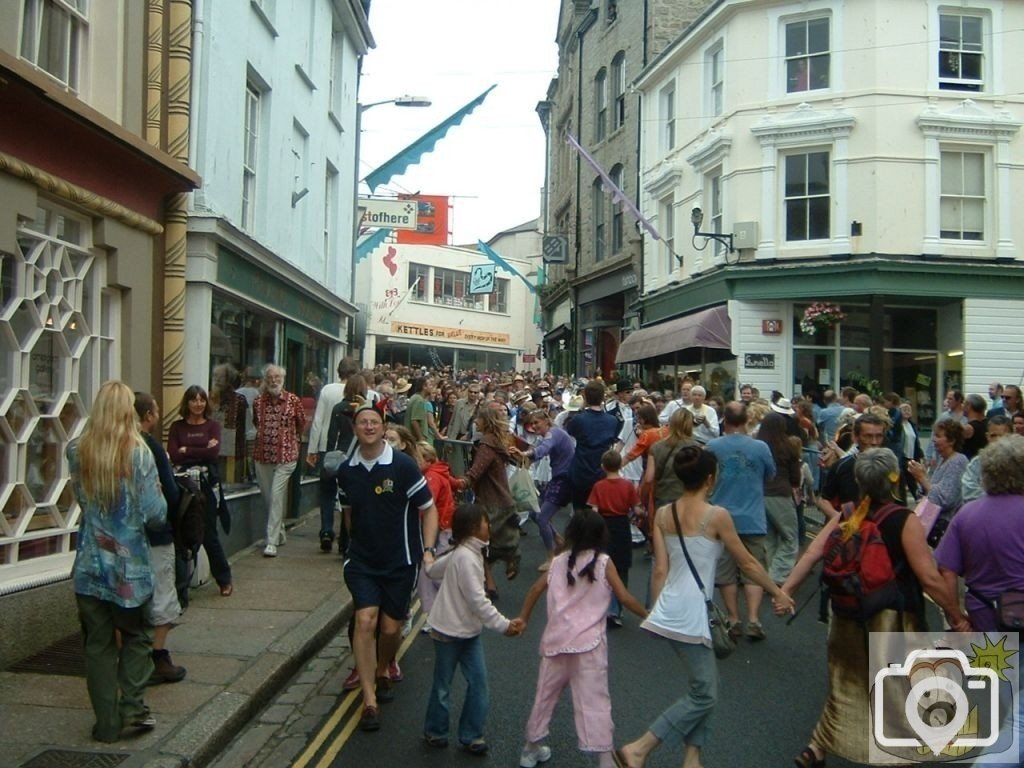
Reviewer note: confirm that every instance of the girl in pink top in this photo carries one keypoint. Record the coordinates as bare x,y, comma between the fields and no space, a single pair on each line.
573,648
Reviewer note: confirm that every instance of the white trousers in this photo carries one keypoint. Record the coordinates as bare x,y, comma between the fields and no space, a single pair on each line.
273,480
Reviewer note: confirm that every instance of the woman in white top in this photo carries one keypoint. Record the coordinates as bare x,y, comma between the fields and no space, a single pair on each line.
680,613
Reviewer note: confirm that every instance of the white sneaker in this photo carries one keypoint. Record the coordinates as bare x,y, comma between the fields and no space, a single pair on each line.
270,551
529,758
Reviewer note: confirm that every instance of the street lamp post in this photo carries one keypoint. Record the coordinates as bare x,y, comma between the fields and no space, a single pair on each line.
398,101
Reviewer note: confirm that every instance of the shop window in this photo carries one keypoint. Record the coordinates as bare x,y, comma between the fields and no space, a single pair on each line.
807,55
56,347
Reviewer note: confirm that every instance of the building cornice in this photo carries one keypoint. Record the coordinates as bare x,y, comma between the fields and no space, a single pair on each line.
968,122
711,151
804,125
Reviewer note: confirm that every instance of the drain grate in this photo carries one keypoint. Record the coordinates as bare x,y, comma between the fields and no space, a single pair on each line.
65,657
69,758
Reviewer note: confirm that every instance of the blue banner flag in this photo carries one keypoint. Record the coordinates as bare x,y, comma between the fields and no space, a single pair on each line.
411,155
367,246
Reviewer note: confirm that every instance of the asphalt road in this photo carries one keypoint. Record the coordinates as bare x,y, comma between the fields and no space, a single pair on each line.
770,694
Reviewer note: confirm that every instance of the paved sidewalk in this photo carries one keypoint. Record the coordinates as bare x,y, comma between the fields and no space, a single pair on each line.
240,652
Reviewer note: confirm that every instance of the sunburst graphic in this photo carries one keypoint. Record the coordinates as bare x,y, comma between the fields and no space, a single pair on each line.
992,656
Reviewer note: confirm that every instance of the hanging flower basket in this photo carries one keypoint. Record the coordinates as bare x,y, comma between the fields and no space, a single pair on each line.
820,316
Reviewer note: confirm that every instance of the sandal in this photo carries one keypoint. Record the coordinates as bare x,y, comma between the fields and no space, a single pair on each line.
226,590
807,759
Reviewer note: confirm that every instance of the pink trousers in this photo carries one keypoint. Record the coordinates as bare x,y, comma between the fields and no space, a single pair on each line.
587,675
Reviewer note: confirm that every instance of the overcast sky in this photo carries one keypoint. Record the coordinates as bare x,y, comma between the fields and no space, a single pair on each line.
492,165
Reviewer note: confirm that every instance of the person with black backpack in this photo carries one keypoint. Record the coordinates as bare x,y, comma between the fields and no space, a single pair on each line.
876,562
341,442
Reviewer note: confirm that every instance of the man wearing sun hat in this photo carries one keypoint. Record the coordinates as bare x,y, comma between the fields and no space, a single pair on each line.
392,529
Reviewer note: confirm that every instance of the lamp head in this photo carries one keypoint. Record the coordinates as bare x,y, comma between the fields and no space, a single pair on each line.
412,101
696,218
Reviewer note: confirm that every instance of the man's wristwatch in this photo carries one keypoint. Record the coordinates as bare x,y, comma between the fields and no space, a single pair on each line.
431,550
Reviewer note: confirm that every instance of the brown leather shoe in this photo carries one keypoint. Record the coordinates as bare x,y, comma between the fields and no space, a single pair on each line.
164,670
370,719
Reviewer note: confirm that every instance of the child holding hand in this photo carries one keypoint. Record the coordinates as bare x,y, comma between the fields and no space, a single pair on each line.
574,649
615,498
460,612
441,483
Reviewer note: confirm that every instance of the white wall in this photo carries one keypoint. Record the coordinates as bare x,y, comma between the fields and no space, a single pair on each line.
747,338
238,46
382,283
993,344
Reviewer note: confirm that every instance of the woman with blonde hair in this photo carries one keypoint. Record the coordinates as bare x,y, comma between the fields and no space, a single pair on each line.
117,487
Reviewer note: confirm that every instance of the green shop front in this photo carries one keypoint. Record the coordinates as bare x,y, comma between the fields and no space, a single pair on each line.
247,309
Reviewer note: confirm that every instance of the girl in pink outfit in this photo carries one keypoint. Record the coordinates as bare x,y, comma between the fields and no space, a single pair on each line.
573,647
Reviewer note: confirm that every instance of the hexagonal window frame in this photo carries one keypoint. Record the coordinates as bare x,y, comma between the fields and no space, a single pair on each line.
28,336
36,460
30,417
18,489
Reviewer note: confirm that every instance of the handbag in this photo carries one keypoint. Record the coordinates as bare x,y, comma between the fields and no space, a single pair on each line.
1010,610
721,642
927,512
524,491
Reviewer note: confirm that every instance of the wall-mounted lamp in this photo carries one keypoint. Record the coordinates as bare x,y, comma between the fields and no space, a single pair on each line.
697,218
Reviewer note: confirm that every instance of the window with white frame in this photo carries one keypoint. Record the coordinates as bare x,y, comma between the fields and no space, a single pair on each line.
962,206
600,104
714,203
807,197
419,276
807,55
497,301
250,155
667,229
334,83
597,211
961,52
53,37
330,203
618,233
619,90
667,109
716,79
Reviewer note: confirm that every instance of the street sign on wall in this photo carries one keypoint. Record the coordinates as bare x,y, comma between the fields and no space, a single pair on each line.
394,214
555,249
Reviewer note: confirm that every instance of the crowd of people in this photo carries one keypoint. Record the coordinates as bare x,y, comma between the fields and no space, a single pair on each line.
716,489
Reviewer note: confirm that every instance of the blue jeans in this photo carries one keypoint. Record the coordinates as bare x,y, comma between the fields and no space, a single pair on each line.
686,721
328,499
467,653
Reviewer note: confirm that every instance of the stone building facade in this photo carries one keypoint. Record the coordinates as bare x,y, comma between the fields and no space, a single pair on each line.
591,298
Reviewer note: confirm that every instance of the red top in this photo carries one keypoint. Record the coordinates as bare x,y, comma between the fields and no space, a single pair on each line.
440,481
195,439
279,422
613,496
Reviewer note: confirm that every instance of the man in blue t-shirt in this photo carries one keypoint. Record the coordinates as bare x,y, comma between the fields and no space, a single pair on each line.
392,526
743,465
595,431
